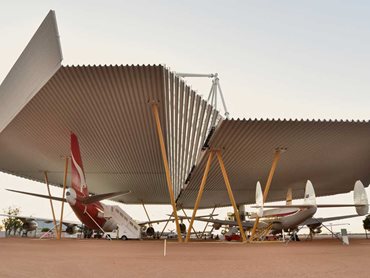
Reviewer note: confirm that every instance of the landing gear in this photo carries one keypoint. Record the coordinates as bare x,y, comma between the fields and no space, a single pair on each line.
98,234
87,233
294,236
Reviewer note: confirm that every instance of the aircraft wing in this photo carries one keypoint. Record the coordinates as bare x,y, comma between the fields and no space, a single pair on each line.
155,221
45,220
320,220
172,219
22,218
246,224
309,206
163,220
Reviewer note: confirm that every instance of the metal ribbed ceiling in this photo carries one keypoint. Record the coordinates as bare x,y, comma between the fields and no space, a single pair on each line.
332,154
109,108
189,120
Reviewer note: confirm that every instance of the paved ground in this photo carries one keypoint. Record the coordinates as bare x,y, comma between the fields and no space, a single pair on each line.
100,258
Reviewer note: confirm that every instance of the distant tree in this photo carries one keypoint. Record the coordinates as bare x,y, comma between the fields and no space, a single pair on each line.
10,223
366,222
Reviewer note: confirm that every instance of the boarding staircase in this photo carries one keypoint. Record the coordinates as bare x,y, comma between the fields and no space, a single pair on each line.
126,225
261,234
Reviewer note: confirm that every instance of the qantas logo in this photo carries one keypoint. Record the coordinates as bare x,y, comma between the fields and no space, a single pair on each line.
81,174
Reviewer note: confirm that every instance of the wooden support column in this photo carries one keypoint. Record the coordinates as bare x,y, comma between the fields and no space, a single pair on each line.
289,196
51,201
267,188
59,233
166,168
200,192
231,196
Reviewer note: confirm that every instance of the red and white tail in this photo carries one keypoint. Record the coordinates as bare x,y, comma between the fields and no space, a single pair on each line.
78,174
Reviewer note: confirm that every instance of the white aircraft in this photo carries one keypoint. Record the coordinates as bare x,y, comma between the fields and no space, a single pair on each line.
30,223
89,209
290,216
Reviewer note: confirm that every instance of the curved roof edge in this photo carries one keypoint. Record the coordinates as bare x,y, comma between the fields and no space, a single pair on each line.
38,62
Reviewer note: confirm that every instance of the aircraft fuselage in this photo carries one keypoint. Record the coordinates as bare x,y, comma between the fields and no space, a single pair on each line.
286,218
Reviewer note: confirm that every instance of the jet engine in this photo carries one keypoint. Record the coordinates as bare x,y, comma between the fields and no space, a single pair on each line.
150,231
182,228
29,225
71,229
315,228
217,226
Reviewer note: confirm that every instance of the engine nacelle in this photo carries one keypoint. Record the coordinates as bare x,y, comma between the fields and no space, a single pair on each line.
71,196
30,225
71,229
182,228
217,226
315,228
150,231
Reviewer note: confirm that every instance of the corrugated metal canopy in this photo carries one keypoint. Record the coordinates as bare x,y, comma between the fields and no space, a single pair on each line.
332,154
38,62
109,108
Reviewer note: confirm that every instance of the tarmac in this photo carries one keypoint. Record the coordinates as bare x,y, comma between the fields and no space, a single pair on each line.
26,257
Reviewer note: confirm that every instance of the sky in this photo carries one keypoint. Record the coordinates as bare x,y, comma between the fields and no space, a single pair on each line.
275,59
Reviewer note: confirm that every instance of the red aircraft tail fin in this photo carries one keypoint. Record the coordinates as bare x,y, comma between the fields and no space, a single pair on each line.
78,174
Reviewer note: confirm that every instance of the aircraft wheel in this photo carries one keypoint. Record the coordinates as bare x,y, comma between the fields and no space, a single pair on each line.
124,237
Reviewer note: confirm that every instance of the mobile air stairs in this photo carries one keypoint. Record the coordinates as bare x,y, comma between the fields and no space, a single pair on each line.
127,228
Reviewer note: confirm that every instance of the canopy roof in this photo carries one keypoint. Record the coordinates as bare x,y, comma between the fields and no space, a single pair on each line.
109,109
332,154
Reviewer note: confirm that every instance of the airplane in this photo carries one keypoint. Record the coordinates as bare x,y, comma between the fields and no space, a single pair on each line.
89,209
289,217
29,224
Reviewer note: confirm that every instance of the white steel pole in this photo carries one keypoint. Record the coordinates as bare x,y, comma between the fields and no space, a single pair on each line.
223,101
215,91
184,74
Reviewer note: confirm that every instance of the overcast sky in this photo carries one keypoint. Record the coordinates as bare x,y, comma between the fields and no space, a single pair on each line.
276,59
